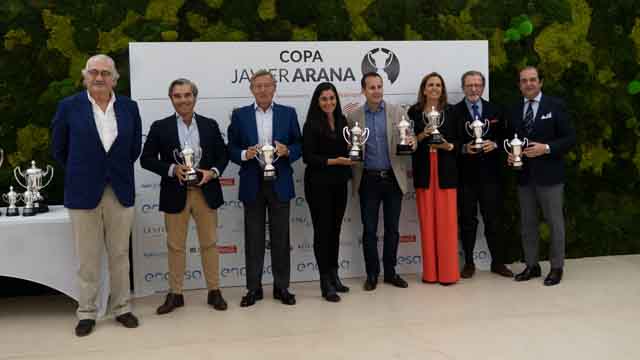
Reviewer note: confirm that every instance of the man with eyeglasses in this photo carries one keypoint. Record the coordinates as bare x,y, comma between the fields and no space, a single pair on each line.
480,181
252,127
96,137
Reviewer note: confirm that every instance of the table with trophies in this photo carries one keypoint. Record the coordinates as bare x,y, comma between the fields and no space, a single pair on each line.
37,240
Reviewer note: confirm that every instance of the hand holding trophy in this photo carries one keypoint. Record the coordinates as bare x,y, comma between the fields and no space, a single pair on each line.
433,120
405,131
356,137
516,147
477,129
267,156
189,157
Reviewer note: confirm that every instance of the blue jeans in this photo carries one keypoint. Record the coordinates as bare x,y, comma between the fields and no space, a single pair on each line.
376,190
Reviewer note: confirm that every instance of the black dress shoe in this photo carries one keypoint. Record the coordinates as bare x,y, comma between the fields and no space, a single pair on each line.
340,287
327,288
502,270
554,277
528,273
284,296
85,327
128,320
371,283
216,300
396,281
171,302
468,271
251,297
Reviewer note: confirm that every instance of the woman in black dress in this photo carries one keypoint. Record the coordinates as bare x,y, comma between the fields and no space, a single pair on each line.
328,171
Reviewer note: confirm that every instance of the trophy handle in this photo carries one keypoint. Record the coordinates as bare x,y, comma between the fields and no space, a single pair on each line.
259,156
365,135
466,128
5,198
49,167
486,127
525,142
17,171
345,135
507,146
176,156
197,156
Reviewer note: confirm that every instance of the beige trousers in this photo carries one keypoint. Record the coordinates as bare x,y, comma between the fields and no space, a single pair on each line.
109,224
177,226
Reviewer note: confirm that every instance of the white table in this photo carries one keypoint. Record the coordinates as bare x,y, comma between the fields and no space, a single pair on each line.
41,249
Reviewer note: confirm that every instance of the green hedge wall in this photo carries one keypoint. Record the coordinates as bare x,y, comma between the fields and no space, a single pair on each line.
589,52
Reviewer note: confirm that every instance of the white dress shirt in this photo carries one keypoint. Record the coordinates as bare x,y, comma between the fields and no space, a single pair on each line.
106,123
264,124
534,105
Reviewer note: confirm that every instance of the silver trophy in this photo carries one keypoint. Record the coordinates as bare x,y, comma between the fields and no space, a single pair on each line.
356,137
405,131
189,157
477,129
267,156
1,157
433,120
33,176
516,147
12,199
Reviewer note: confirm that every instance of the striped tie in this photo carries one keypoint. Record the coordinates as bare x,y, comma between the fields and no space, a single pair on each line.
528,119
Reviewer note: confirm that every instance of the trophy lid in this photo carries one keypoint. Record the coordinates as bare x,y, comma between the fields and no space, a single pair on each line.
515,141
356,129
267,147
33,170
477,123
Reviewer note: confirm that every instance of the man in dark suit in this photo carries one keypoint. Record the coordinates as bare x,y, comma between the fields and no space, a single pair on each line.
544,121
479,182
253,126
96,137
179,201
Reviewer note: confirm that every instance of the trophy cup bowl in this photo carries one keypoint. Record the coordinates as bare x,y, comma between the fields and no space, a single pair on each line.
267,156
516,147
433,120
189,157
29,209
477,129
356,137
12,198
33,183
405,131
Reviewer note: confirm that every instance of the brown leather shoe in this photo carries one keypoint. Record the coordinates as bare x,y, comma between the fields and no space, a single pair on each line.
502,270
468,271
216,300
128,320
172,302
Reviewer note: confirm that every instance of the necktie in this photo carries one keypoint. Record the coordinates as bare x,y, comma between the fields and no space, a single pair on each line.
476,114
527,123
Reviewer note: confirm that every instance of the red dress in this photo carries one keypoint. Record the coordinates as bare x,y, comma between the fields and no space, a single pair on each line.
437,211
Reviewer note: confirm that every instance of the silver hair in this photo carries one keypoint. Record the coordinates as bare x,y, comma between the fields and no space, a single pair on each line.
262,72
114,72
472,73
183,81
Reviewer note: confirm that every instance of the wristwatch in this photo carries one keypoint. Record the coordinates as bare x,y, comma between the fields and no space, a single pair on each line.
547,149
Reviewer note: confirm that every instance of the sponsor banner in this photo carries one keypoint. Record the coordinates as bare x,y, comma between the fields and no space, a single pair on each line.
222,72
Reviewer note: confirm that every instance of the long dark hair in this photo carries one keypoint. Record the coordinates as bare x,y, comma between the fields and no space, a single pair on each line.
442,102
316,117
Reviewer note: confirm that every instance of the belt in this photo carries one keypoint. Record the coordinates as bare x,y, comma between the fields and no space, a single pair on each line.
379,173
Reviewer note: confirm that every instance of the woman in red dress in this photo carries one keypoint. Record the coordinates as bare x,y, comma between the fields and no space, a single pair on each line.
435,178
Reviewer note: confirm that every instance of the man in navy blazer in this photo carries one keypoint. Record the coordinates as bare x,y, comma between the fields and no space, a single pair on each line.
96,137
252,126
544,121
179,202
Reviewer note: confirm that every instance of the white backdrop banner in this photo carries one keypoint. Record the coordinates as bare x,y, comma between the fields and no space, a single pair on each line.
221,72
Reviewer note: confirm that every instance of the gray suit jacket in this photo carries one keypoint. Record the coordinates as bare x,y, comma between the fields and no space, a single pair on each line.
400,164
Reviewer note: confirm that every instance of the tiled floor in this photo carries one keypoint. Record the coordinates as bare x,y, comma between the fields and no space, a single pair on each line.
593,314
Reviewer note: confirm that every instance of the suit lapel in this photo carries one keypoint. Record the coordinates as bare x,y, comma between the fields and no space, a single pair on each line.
275,127
252,126
173,132
87,112
121,120
542,110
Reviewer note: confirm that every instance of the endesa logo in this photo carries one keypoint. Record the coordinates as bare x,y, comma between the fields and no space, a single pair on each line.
312,266
300,201
227,181
407,238
409,260
164,276
227,249
149,208
409,195
241,271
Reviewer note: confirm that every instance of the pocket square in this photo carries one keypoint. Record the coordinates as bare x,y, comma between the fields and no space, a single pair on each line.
546,116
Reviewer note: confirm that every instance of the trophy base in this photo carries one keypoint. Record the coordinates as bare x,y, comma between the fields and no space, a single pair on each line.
476,146
269,176
13,212
193,179
404,149
29,211
434,139
43,208
517,166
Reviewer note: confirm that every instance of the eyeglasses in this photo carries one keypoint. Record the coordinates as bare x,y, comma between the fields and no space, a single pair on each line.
472,86
103,73
327,98
263,86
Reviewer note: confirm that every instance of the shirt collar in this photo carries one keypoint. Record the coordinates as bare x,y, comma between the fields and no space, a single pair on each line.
258,108
535,99
181,121
112,99
380,107
470,104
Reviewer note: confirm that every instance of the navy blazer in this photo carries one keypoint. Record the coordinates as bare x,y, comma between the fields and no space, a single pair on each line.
481,167
76,145
243,133
157,157
555,129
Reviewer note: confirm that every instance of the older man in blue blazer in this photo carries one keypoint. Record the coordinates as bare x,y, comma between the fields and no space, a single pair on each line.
252,126
97,138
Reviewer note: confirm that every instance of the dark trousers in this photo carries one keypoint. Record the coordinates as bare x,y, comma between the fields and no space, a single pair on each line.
327,204
487,195
376,190
254,229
